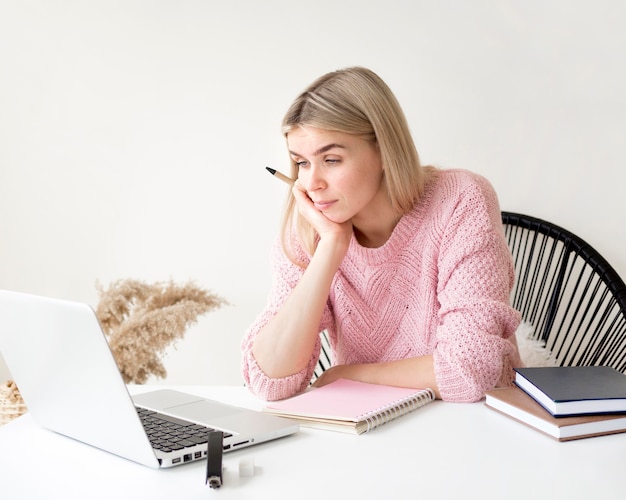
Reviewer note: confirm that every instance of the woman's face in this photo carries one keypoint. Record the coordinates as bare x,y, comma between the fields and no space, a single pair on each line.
342,173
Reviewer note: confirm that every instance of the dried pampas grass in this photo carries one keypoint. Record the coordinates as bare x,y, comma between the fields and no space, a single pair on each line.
11,403
141,320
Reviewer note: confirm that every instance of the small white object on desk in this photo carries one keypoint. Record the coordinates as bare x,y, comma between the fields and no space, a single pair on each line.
246,467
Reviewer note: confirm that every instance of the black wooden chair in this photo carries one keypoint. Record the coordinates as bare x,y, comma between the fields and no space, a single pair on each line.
571,295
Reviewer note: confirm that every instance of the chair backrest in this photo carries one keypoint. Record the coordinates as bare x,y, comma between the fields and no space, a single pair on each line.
571,295
325,360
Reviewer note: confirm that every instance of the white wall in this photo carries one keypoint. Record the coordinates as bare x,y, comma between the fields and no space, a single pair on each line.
134,135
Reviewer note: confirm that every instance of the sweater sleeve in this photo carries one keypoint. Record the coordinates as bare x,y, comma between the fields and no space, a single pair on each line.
285,276
476,347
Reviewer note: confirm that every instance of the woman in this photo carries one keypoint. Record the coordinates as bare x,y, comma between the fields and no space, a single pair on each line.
405,266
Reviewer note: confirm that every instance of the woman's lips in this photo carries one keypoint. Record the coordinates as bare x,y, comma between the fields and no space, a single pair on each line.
323,205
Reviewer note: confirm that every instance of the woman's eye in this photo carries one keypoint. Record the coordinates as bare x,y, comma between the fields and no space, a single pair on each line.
301,164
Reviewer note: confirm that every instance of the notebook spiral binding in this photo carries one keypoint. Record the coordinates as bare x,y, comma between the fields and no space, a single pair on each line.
397,409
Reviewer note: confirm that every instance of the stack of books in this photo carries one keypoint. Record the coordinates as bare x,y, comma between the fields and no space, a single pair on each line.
566,403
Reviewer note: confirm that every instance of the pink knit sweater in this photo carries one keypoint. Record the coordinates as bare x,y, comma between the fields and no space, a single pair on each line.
440,285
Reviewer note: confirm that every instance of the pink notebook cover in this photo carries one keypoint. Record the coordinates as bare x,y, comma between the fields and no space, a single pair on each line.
345,400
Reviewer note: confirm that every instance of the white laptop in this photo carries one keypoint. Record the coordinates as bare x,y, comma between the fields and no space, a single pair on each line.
60,360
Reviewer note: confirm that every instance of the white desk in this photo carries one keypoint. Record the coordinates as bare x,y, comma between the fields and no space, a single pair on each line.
443,450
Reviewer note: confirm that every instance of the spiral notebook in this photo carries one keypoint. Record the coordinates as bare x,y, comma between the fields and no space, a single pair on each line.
350,406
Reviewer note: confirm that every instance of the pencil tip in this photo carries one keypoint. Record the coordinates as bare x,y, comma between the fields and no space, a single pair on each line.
270,170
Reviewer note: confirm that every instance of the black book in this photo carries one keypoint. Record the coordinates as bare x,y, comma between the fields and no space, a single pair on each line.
575,390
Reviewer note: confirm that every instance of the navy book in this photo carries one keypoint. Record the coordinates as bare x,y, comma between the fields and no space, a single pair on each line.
575,390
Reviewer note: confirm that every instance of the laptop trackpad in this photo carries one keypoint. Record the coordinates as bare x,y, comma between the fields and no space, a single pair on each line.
204,412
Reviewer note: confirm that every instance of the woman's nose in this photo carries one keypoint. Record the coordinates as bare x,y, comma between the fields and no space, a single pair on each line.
314,178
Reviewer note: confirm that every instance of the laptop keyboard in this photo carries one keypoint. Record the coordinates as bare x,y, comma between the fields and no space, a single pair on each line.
170,433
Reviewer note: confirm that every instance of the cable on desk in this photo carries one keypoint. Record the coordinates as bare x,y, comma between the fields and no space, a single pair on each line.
214,459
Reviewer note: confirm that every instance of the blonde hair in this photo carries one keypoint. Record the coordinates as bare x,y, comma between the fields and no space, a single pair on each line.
356,101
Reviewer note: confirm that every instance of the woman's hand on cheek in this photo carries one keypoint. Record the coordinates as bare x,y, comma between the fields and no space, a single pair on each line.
322,224
306,208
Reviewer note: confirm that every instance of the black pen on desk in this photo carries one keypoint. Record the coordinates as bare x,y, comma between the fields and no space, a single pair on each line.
281,176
